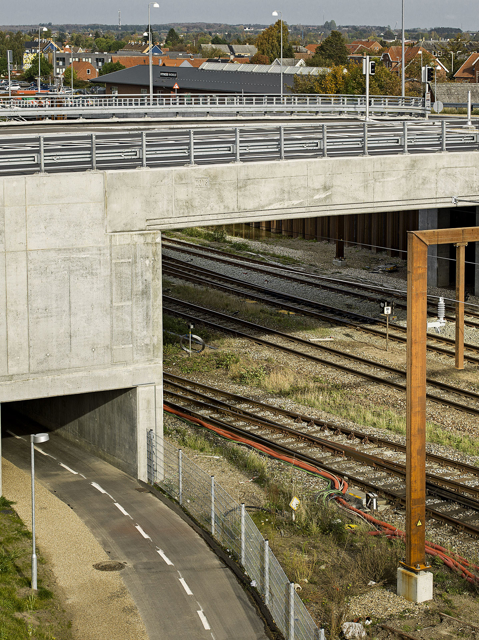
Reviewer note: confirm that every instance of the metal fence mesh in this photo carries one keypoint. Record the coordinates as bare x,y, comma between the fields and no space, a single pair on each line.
234,529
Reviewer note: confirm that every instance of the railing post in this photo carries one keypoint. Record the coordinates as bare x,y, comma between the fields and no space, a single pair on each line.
237,144
443,136
143,148
266,572
41,145
365,134
291,611
243,534
192,147
212,505
405,136
93,151
281,142
325,141
180,477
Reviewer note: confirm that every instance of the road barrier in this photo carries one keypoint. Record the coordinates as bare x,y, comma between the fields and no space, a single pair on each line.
230,524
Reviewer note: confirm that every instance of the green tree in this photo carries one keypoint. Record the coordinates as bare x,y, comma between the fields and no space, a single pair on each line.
268,42
3,67
31,73
110,67
172,37
77,83
332,51
218,40
259,58
349,80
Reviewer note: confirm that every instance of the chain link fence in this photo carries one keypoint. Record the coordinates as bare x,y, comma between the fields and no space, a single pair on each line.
233,528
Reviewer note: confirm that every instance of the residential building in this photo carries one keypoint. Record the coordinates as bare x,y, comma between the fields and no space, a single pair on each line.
85,70
469,71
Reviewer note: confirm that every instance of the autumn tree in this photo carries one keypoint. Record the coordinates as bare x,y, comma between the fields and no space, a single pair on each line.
332,51
268,42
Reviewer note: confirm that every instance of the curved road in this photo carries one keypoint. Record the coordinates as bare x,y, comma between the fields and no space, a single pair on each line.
180,587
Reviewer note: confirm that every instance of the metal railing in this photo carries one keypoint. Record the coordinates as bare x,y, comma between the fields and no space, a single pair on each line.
233,528
223,144
54,105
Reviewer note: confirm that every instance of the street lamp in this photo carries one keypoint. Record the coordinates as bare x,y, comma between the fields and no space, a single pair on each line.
150,61
280,13
35,439
40,29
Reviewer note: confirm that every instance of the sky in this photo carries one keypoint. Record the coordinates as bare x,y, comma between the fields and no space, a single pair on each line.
423,13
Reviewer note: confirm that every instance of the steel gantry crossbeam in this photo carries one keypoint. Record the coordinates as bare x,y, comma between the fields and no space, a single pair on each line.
418,243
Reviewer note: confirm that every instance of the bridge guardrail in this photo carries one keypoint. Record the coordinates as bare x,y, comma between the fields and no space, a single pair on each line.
54,105
54,153
228,522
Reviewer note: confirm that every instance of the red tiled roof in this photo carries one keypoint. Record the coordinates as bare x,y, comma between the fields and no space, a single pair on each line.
81,68
134,61
312,47
469,69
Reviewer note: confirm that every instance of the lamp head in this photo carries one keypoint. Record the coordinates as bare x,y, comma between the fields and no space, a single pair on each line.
275,13
38,438
156,5
44,29
146,33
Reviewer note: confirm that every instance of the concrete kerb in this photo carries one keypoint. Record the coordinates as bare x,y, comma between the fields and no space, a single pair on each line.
271,629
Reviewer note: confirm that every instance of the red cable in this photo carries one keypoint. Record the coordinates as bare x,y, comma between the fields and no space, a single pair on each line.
455,563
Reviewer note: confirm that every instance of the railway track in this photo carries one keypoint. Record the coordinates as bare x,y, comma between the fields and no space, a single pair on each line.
343,287
371,463
294,304
372,371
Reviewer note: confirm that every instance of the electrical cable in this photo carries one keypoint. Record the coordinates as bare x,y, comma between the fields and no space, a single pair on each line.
454,561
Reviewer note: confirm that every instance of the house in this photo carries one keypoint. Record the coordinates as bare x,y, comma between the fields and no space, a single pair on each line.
469,71
84,70
290,62
231,50
312,48
139,48
393,56
370,45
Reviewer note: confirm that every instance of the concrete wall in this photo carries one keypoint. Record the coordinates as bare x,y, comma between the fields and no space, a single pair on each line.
178,197
80,308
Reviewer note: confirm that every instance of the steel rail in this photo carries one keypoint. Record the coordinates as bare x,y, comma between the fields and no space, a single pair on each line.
314,280
194,309
394,495
304,306
157,148
185,384
437,485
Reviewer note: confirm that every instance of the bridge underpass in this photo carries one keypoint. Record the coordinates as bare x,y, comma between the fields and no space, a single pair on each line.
80,258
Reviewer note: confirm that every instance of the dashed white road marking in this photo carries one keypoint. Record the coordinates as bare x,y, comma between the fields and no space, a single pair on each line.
145,535
165,558
75,473
124,512
204,620
14,435
101,490
186,587
44,453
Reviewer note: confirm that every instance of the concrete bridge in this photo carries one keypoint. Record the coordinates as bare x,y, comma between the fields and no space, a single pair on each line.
80,265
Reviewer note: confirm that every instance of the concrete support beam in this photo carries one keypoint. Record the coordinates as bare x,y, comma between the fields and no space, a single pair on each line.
149,417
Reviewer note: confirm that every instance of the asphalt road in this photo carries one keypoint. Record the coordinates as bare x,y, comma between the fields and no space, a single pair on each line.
180,587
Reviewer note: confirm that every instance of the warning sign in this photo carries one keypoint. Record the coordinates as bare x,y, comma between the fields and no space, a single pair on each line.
175,86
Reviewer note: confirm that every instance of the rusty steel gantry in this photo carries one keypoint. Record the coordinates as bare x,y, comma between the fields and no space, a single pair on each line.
418,242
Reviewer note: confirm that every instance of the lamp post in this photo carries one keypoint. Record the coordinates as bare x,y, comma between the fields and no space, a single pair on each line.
280,13
35,439
403,88
40,29
150,60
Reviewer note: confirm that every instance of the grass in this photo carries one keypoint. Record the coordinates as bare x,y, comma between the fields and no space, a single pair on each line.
24,614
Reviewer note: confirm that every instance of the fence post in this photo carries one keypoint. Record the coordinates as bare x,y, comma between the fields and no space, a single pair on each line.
180,477
192,147
93,151
41,144
212,505
405,135
266,572
243,534
444,133
291,611
143,148
281,143
237,144
325,141
150,463
365,134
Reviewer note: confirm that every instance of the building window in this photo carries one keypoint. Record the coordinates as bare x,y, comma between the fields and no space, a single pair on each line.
88,72
143,92
114,89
